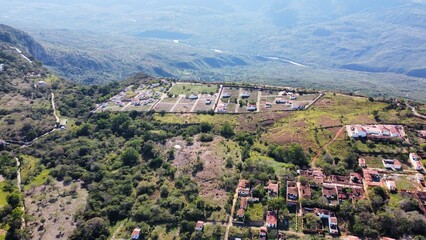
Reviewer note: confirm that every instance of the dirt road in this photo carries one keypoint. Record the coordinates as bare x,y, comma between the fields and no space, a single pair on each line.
323,148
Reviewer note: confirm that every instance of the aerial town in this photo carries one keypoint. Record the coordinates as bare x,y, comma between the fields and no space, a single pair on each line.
181,97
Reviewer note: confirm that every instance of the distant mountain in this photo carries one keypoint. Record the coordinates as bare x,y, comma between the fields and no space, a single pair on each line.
23,41
101,41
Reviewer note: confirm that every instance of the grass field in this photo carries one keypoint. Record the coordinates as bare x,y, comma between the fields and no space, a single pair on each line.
3,195
394,200
29,164
255,212
193,88
38,180
405,184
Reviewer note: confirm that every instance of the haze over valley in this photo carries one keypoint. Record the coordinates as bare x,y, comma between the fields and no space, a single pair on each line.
317,44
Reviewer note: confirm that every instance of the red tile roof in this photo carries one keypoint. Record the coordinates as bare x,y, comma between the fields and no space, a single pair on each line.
271,218
243,204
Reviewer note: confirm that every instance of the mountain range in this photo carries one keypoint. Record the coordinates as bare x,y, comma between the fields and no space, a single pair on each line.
376,48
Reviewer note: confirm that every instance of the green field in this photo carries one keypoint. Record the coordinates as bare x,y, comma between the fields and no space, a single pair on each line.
3,195
255,212
193,88
38,180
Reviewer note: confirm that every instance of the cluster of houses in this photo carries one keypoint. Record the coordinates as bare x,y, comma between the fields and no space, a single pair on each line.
384,132
244,190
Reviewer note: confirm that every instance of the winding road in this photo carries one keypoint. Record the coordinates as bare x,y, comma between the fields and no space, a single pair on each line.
26,144
413,109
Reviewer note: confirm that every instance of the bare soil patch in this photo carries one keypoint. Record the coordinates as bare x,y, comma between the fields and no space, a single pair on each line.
212,157
52,209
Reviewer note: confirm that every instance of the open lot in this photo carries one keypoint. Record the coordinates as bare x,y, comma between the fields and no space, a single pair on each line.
193,88
191,98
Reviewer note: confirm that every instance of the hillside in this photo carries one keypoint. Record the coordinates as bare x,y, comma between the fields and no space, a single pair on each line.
197,175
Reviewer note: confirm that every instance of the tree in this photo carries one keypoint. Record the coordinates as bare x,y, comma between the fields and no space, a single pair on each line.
93,229
14,200
227,131
130,156
276,203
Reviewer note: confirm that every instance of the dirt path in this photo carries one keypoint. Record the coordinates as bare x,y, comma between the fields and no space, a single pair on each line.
218,98
237,107
319,152
176,103
54,108
228,226
117,231
195,104
259,95
413,109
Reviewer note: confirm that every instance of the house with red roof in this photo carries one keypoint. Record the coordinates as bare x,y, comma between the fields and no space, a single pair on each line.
292,193
271,219
243,204
199,227
272,189
243,188
136,233
241,214
305,191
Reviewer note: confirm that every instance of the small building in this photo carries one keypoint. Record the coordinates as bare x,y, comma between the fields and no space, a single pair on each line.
280,101
136,233
420,178
199,227
329,192
390,184
272,189
332,225
414,157
241,213
193,97
393,164
271,219
263,233
355,177
268,105
226,95
243,188
416,161
245,95
293,97
417,165
243,204
63,123
306,192
41,84
422,134
362,163
252,108
292,193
